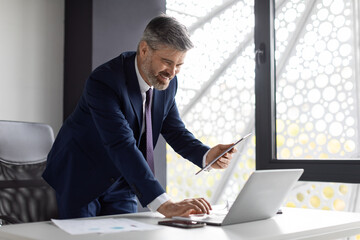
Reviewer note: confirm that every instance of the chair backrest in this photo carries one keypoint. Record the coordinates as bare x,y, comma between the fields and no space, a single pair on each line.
24,195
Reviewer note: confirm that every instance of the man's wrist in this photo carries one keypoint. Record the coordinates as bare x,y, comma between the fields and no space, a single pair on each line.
157,202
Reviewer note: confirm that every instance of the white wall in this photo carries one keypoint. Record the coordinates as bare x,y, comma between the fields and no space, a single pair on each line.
31,61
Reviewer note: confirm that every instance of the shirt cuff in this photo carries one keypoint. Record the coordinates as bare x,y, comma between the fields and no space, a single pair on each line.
156,203
204,161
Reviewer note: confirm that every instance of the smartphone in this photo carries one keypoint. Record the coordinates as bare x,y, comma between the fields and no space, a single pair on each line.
181,224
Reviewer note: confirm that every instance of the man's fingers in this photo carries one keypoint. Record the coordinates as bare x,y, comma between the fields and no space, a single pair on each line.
188,209
206,203
222,165
185,207
200,205
203,205
224,162
233,150
226,156
187,212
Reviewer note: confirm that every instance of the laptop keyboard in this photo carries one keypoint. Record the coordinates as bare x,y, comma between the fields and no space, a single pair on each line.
216,215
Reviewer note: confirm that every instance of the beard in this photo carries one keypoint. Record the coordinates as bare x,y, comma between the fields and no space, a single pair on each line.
152,77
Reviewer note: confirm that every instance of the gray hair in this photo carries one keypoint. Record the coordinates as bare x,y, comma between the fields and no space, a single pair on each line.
166,30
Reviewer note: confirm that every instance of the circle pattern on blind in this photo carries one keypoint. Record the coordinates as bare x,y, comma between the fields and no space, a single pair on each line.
315,95
316,82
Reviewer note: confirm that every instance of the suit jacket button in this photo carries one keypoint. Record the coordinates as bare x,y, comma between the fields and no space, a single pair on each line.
112,180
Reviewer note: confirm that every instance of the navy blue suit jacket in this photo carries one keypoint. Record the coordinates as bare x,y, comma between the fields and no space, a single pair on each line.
99,141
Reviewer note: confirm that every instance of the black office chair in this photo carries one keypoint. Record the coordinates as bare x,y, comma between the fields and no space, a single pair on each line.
24,195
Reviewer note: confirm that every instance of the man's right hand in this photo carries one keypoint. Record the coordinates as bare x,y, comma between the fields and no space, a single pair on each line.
185,207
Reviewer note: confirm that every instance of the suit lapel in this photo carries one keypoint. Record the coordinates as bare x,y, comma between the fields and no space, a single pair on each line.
134,90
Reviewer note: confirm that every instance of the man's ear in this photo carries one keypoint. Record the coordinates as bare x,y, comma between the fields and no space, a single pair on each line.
143,48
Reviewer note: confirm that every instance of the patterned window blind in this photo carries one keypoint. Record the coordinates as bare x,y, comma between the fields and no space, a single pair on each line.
317,92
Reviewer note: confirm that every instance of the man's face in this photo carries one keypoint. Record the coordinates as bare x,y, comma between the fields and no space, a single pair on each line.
158,67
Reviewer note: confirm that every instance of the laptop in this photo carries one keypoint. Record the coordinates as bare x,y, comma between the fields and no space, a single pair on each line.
260,198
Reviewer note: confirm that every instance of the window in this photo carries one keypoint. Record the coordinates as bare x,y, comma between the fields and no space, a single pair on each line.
216,99
216,94
307,108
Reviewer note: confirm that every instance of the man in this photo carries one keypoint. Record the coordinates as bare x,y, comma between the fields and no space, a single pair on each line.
98,163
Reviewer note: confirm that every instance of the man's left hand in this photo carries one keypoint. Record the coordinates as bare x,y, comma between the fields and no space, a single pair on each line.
223,161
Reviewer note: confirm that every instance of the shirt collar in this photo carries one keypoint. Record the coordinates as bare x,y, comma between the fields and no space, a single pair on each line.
142,84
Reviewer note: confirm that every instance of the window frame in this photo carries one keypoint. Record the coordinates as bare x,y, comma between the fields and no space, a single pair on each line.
334,170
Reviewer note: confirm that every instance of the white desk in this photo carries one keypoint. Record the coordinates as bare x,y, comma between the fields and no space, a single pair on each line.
292,224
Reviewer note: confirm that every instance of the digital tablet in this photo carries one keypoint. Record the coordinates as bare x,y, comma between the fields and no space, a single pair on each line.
227,150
